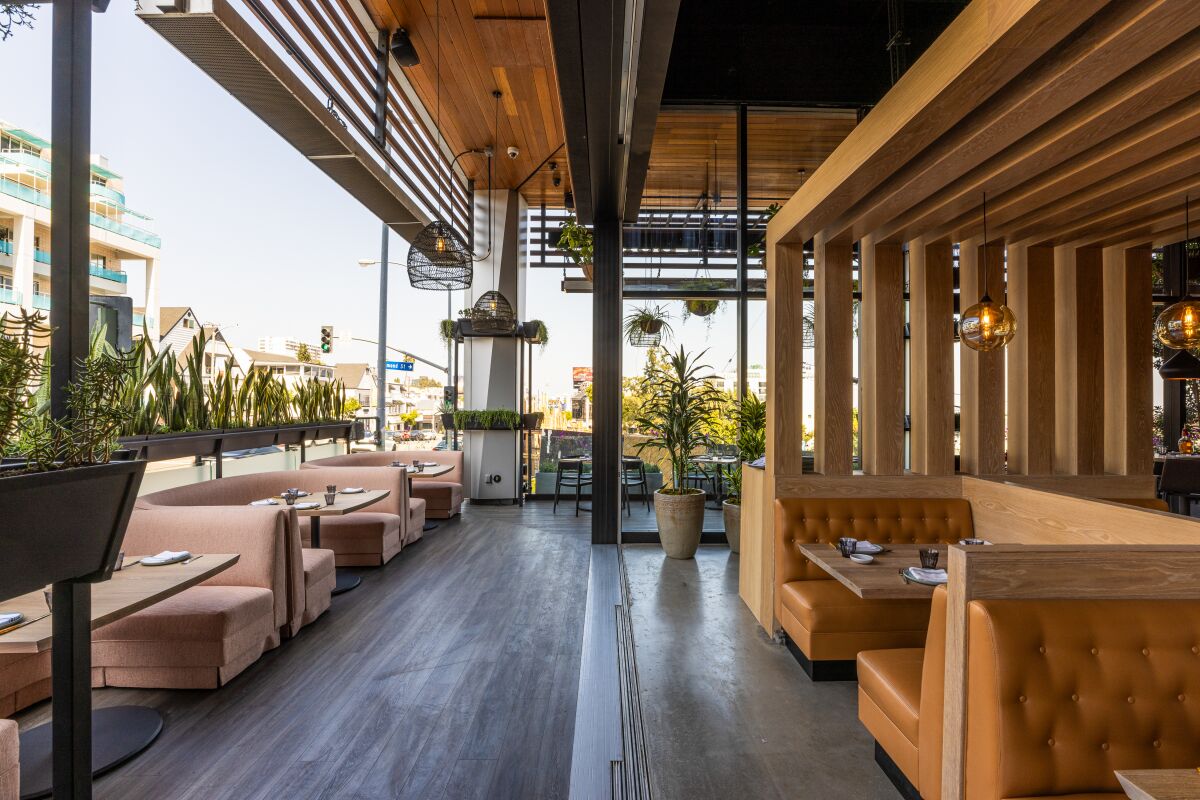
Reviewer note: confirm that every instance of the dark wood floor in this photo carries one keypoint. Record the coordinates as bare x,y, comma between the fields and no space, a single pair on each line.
450,673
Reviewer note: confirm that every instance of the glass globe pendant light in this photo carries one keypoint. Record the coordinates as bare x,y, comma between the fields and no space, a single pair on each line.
1178,326
438,258
987,325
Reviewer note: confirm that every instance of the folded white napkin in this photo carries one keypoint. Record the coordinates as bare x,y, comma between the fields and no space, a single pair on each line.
922,575
270,501
10,618
355,490
166,557
431,464
300,493
869,548
303,506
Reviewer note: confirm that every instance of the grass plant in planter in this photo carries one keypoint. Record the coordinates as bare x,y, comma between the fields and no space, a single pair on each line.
648,326
681,400
575,241
66,501
751,418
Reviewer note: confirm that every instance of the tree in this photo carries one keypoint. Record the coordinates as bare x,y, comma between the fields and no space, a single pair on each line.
409,418
426,382
352,405
14,15
304,355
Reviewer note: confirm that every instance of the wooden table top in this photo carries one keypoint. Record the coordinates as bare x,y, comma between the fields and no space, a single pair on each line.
431,472
879,580
129,590
1160,784
344,504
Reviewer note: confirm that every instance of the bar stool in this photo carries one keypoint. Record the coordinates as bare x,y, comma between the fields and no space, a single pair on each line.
571,474
633,473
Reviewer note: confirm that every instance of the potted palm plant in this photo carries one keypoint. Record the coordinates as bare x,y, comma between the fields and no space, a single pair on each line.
66,497
751,417
680,400
575,241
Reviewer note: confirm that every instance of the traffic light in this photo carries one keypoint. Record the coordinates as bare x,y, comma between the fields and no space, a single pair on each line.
326,338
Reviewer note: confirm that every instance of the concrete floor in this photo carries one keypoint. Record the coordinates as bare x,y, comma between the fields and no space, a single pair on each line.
728,713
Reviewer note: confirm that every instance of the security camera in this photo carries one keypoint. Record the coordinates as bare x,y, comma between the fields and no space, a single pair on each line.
513,152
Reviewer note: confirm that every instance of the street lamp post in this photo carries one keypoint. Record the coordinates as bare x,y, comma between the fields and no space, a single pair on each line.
381,355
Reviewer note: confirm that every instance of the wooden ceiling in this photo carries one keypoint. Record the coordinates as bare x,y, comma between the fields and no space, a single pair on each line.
695,153
1087,134
486,45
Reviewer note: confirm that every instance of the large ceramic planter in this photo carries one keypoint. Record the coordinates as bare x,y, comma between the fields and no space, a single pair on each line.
680,522
64,524
733,525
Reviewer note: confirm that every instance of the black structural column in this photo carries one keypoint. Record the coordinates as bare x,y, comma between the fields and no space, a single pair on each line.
606,381
70,126
381,98
743,242
1175,280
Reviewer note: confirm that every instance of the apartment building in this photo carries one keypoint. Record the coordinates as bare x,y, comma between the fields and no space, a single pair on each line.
118,234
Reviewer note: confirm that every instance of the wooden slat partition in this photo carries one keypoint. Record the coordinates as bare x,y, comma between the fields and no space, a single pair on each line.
1032,572
931,321
785,321
1031,360
1129,394
1079,361
756,562
881,358
981,391
834,356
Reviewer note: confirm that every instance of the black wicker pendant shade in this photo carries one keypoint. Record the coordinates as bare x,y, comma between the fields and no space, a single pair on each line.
439,259
493,314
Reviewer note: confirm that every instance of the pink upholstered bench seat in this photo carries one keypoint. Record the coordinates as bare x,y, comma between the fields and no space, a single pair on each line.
10,762
198,639
442,499
320,576
360,539
24,680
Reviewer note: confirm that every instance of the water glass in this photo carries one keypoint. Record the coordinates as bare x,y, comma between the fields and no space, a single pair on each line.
330,498
846,546
289,497
331,489
929,557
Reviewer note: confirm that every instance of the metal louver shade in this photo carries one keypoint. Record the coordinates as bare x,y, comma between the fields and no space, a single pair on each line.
492,314
439,259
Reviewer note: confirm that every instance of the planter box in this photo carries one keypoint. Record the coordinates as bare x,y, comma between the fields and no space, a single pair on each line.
332,430
163,446
529,422
247,438
294,434
64,525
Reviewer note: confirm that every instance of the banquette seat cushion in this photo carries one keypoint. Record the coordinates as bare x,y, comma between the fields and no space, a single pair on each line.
362,539
827,621
443,495
24,680
320,577
10,762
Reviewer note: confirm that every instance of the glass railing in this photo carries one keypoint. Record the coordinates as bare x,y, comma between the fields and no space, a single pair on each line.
127,230
108,194
10,296
35,163
41,256
22,192
41,301
107,274
6,248
138,320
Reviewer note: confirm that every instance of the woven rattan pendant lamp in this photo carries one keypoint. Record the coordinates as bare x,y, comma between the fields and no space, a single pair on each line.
438,258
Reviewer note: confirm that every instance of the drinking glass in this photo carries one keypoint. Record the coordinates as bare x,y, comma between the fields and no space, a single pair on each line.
846,546
397,464
289,497
331,489
330,498
929,557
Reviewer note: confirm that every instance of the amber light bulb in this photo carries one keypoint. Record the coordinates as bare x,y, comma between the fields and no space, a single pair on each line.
440,244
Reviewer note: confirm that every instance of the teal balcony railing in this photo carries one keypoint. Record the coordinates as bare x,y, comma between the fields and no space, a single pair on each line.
125,229
6,247
138,320
41,256
107,274
10,296
108,194
41,301
22,192
35,163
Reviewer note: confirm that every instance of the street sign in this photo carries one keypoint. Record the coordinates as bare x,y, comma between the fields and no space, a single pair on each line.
402,366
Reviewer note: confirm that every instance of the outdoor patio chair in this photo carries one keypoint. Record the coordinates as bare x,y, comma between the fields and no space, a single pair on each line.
633,473
572,473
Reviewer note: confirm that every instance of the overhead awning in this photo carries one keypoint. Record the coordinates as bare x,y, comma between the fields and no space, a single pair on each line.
219,41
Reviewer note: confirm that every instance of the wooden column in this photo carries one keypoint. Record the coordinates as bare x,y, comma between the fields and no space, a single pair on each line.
785,358
1128,387
981,389
1031,361
931,379
833,415
1079,362
881,357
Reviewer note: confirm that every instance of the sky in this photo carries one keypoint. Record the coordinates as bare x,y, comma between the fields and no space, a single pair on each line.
257,239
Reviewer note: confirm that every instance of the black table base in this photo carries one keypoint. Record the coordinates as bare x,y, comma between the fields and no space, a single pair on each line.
118,734
429,526
345,581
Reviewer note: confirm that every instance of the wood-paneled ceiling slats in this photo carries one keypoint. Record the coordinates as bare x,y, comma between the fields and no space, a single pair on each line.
1096,141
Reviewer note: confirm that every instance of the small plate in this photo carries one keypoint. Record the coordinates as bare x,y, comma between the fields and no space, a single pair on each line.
862,558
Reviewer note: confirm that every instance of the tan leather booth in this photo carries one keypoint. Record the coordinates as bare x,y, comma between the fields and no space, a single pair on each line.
1060,694
825,621
443,495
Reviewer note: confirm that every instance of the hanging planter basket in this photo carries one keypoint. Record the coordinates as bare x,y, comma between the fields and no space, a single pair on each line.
439,259
702,307
493,315
638,337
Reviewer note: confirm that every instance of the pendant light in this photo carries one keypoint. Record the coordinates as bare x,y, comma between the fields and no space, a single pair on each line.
1182,366
1178,326
438,258
987,325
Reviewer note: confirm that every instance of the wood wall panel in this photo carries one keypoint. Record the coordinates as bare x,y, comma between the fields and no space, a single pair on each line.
1031,361
785,319
981,387
834,386
756,561
931,376
1128,388
1079,361
881,358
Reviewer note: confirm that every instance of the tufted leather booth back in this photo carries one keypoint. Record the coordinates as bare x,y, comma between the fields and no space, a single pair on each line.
1061,693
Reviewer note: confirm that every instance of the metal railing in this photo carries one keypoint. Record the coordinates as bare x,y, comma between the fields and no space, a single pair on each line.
107,274
10,296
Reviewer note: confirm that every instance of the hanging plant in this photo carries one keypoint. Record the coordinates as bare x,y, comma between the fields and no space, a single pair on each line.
575,241
647,326
758,249
535,332
702,306
446,331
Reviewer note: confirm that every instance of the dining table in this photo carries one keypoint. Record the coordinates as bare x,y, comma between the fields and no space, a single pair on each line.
1160,784
429,470
343,504
721,465
879,580
118,732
